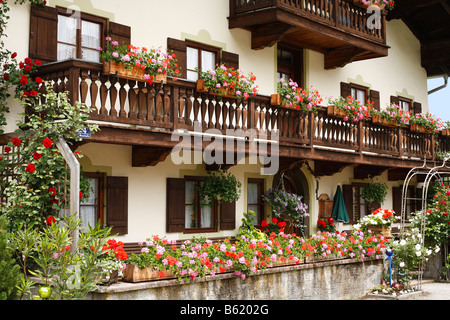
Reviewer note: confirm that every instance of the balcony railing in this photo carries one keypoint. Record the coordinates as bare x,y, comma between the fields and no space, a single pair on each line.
177,105
340,14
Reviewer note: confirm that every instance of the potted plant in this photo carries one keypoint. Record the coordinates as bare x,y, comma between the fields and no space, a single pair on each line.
382,4
349,109
290,95
426,123
379,221
287,205
374,194
392,116
221,186
139,64
227,82
113,258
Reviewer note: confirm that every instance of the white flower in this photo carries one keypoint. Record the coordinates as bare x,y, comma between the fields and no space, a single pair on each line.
402,264
402,242
418,253
418,246
437,249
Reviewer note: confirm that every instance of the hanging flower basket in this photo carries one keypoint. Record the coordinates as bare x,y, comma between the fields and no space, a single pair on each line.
383,230
378,119
418,128
225,92
133,273
135,74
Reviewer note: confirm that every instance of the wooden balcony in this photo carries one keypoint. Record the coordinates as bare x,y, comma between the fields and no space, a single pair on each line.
337,28
144,116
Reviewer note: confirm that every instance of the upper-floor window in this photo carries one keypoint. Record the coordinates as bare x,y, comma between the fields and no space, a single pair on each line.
200,56
404,103
289,64
359,93
79,35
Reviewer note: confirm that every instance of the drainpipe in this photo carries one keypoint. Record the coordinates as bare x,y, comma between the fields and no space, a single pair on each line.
74,184
440,87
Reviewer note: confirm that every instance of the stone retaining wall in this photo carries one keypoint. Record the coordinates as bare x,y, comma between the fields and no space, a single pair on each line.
329,280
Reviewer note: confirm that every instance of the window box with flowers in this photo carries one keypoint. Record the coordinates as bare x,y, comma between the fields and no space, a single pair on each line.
382,4
138,64
113,265
326,224
392,116
426,123
350,109
379,222
227,82
290,95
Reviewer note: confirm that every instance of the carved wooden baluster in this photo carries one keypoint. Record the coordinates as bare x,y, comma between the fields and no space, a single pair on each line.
84,86
195,104
204,109
142,110
238,110
167,103
132,99
150,103
218,112
113,99
103,96
94,91
159,111
182,107
244,115
232,111
225,112
210,113
262,115
122,98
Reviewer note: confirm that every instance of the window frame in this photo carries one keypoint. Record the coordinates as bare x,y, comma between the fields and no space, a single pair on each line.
295,70
214,209
260,204
100,176
201,47
360,88
402,101
81,16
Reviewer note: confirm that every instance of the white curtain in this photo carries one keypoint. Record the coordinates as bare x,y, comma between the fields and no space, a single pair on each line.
192,63
90,40
252,200
190,219
67,33
88,206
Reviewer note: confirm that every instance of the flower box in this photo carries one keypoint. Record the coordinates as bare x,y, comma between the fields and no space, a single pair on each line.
275,99
378,119
222,91
133,273
383,230
336,112
110,278
135,74
418,128
445,132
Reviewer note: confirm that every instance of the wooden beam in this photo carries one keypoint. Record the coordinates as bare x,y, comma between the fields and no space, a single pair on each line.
267,35
367,171
327,168
148,156
340,57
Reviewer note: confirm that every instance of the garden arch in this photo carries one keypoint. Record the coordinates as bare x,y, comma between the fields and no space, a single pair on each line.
435,173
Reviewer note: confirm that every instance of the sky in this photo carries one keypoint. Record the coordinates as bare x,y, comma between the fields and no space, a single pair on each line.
439,102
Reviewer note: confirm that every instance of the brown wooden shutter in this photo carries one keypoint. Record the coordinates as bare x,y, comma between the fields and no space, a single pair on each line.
394,99
120,33
43,34
117,204
228,215
346,89
179,48
230,60
417,108
347,192
175,212
397,200
375,98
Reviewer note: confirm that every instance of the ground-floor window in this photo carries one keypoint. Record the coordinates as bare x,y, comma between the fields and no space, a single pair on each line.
91,206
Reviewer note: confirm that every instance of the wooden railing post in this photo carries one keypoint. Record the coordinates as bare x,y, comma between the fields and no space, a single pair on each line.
311,129
336,12
360,138
251,124
73,78
400,142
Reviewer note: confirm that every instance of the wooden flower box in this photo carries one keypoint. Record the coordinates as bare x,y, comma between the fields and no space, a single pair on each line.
221,92
378,119
275,99
136,74
336,112
383,230
445,132
133,273
418,128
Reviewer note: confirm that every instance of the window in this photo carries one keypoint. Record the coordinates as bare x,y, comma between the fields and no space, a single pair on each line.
255,189
404,103
91,208
79,35
358,92
201,57
289,64
197,217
